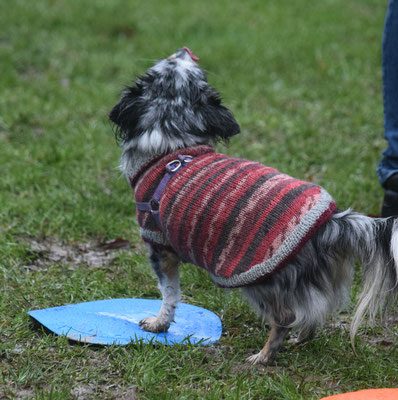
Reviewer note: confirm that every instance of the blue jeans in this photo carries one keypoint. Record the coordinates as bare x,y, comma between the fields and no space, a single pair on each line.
389,163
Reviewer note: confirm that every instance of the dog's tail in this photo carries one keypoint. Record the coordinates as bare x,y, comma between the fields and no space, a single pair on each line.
375,242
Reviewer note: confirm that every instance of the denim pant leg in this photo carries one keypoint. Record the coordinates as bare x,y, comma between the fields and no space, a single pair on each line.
389,163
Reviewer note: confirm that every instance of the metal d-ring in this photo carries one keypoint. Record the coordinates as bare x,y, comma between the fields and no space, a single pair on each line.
184,158
171,168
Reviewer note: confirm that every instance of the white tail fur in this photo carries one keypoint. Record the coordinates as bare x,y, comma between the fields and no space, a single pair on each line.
380,273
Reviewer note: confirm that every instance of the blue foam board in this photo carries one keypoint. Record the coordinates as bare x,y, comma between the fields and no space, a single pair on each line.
115,321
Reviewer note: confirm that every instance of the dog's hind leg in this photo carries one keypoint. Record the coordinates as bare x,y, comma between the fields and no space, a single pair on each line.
165,264
271,348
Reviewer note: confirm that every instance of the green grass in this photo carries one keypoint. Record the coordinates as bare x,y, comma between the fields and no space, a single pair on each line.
303,78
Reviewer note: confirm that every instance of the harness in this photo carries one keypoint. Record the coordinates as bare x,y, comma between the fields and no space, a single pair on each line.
171,169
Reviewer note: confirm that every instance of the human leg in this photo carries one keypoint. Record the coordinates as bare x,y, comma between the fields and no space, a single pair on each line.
388,167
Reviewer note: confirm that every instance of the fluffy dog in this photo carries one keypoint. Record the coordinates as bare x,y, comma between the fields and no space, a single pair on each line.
281,240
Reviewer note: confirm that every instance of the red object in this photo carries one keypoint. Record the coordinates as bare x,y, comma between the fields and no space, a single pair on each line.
195,58
368,394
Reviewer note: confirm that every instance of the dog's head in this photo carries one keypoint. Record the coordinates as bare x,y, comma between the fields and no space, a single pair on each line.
172,106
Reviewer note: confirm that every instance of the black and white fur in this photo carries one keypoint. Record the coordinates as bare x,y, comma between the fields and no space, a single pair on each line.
172,107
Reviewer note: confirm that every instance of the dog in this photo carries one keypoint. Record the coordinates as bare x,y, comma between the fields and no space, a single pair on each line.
281,240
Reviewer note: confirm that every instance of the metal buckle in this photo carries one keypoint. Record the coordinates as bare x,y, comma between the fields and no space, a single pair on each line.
184,158
173,168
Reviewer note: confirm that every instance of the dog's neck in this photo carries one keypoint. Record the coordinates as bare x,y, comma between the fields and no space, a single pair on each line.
135,155
134,160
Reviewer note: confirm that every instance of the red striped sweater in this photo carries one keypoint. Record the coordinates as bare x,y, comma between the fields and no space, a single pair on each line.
238,219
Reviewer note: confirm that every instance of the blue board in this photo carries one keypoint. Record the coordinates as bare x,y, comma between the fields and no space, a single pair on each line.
115,321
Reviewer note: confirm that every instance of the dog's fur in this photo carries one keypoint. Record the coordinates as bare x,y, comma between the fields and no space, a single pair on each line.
173,107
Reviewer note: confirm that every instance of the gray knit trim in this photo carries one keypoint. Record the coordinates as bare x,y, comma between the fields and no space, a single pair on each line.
290,243
154,237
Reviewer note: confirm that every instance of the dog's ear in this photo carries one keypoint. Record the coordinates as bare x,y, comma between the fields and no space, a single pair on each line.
218,120
127,112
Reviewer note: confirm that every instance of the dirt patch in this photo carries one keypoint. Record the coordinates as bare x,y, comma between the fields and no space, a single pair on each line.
85,392
94,377
82,391
21,394
384,333
79,392
47,251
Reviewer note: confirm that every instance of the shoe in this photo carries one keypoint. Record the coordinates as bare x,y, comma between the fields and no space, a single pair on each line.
389,207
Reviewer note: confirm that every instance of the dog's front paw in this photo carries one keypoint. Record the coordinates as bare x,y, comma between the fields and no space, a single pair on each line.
259,358
153,324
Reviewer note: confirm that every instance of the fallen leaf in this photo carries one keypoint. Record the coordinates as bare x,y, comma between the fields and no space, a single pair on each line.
115,244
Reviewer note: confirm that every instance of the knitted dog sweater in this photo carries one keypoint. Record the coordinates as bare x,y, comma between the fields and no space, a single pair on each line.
238,219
